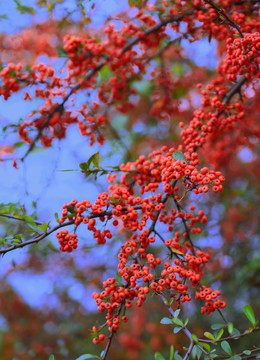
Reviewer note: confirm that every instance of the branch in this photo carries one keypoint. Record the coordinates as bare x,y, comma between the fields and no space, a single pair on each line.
230,337
133,42
47,233
184,329
19,219
234,89
222,13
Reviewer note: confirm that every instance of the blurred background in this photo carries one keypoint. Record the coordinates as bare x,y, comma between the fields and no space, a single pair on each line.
45,295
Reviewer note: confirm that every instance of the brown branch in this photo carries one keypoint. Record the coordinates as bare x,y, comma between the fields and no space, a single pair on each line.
184,329
222,13
133,42
47,233
230,337
234,89
19,219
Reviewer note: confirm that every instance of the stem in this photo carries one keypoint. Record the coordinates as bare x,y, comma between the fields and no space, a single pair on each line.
19,219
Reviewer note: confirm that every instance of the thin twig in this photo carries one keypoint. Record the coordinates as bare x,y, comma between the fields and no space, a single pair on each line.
19,219
222,13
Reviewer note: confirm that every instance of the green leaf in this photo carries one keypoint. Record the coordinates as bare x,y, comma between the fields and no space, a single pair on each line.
34,227
23,9
178,155
166,321
69,170
217,326
178,68
177,357
104,74
235,357
226,347
171,352
44,227
186,322
143,87
56,215
247,352
178,322
195,337
250,314
18,144
198,352
205,345
118,278
70,208
62,52
177,312
28,219
179,92
88,356
230,328
93,159
209,335
177,329
136,3
171,301
219,334
52,357
158,356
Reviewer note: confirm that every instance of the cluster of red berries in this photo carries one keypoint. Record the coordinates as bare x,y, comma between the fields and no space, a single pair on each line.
68,242
242,56
211,303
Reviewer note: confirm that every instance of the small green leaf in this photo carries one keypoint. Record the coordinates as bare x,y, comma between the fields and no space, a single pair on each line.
178,322
52,357
198,352
236,331
62,52
186,322
56,215
19,144
93,159
104,74
171,301
177,329
178,155
34,227
28,219
226,347
217,326
247,352
70,208
177,357
88,356
219,334
118,278
195,337
166,321
235,357
209,335
250,314
44,227
158,356
23,9
230,328
177,312
171,352
205,345
136,3
143,87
